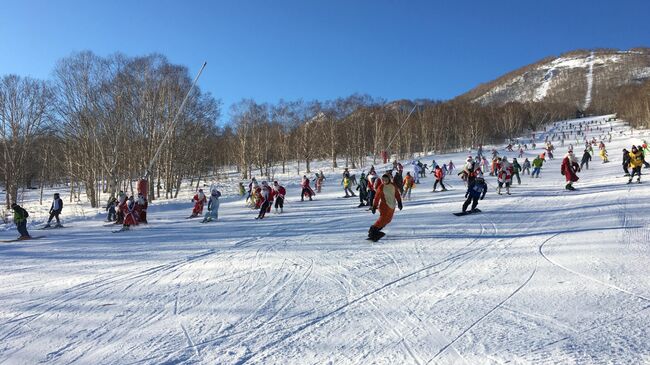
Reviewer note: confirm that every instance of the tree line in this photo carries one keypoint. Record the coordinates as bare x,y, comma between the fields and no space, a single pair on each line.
97,123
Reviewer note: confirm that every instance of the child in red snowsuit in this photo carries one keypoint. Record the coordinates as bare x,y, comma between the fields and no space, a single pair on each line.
386,199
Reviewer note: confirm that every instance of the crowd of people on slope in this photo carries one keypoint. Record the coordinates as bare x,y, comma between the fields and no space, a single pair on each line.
370,187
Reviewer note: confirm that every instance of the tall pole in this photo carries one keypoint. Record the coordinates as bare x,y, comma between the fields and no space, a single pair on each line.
171,125
400,127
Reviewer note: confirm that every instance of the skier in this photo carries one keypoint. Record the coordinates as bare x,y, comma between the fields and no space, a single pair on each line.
320,179
504,175
636,162
408,186
110,208
121,207
20,219
346,185
279,191
199,201
213,207
363,190
451,166
569,168
306,189
476,191
439,175
267,200
398,180
603,155
416,170
131,212
537,166
516,168
626,162
386,199
143,205
55,211
586,157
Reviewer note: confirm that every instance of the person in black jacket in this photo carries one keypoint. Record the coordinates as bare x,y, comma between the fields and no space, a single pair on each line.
586,157
55,211
626,162
476,190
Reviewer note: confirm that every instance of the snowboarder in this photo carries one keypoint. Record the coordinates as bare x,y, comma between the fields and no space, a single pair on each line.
516,168
636,162
569,168
199,201
586,157
306,189
476,191
346,185
131,214
213,207
55,211
603,155
439,175
386,199
279,192
20,219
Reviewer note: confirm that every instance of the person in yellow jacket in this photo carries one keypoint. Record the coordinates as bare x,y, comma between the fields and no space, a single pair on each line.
636,162
603,155
409,184
346,187
386,199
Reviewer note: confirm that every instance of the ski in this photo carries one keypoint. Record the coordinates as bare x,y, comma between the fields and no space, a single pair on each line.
19,240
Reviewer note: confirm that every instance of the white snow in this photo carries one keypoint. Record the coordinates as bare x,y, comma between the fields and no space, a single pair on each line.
590,81
542,276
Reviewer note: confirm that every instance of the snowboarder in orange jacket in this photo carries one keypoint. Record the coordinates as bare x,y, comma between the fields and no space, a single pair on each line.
386,199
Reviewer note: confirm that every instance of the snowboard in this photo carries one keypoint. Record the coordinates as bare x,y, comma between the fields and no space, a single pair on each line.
381,234
467,212
52,227
18,240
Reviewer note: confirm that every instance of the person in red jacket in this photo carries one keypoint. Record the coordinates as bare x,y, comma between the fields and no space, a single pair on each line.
569,168
386,199
306,189
143,204
280,192
267,200
131,214
439,175
199,201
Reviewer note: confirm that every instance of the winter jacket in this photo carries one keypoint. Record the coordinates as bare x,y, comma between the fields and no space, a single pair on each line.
387,197
20,215
438,173
569,168
57,206
538,162
586,157
636,159
477,188
626,158
516,167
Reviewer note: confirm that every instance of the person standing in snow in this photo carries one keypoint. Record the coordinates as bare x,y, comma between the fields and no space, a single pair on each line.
626,162
110,208
408,186
267,200
416,174
476,191
504,175
121,207
439,176
306,189
199,201
537,166
143,204
516,168
569,168
386,199
320,179
20,220
603,155
636,162
213,207
586,157
131,212
279,192
398,180
363,190
55,211
451,166
346,182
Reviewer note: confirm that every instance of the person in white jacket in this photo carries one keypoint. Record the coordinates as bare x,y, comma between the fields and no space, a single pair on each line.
55,211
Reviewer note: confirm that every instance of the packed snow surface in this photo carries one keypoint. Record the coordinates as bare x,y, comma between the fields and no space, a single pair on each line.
544,276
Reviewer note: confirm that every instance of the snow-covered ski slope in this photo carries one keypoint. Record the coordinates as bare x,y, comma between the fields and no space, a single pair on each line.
544,276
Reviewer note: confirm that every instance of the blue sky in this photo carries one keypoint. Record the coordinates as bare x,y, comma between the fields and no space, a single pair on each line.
267,50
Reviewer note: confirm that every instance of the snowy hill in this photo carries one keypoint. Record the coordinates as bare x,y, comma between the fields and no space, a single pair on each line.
543,276
575,77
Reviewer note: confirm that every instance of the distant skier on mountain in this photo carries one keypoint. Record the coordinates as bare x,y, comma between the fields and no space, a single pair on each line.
347,182
408,186
516,169
569,168
213,207
199,201
55,211
386,199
